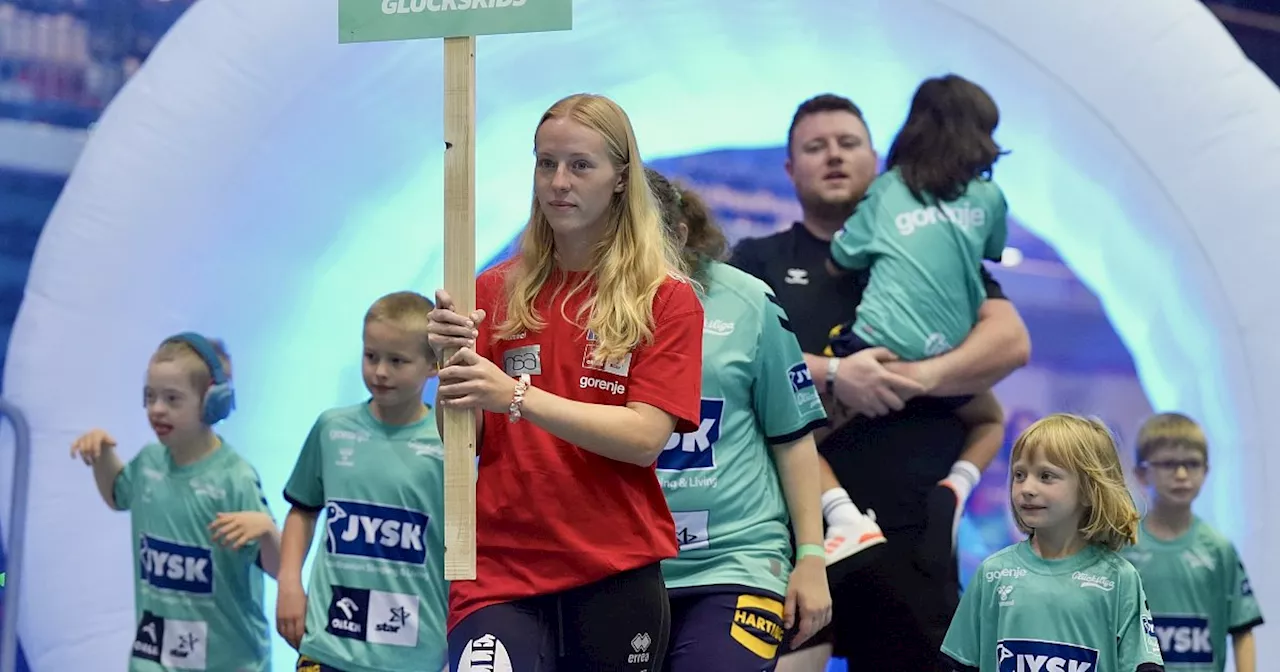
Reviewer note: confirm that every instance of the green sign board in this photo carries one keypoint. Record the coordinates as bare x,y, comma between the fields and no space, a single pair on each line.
385,20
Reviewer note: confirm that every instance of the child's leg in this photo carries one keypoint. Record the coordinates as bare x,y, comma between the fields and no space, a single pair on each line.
849,531
984,418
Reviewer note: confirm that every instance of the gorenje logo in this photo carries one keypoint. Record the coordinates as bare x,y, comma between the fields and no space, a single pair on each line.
696,449
171,566
587,382
1005,573
1184,639
963,216
1028,655
373,531
1094,581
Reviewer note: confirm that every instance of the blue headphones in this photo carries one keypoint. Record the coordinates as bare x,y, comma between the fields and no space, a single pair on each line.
220,399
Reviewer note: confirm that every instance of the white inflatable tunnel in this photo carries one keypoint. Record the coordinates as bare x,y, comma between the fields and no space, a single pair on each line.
260,182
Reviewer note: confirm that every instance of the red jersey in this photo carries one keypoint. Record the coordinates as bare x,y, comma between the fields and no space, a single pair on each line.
551,516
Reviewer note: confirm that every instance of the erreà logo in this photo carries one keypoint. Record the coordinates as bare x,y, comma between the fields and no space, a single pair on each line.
1028,655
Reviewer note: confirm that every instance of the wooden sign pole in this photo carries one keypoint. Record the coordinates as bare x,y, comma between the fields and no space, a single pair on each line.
460,281
389,20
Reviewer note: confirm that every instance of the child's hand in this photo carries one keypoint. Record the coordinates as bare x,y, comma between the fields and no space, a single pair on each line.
234,530
92,445
291,612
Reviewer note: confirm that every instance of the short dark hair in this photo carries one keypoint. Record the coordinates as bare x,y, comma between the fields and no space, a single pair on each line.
824,102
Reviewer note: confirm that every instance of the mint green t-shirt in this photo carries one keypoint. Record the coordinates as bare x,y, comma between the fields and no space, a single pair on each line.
721,482
926,283
377,596
1085,613
198,604
1199,592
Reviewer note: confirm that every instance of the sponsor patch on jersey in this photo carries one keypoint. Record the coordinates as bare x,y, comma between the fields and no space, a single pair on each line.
1184,639
757,625
1029,655
374,531
692,531
373,616
621,368
524,360
802,386
172,566
696,449
149,638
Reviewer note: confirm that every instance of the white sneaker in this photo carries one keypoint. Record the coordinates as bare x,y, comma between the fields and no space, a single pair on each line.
848,539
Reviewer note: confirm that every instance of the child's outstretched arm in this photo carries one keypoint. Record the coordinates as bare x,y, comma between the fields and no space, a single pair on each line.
235,530
291,600
1245,650
97,448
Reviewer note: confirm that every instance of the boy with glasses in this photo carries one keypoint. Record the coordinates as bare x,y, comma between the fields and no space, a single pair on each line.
1194,579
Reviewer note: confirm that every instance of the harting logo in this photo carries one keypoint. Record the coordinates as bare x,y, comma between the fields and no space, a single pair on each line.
640,644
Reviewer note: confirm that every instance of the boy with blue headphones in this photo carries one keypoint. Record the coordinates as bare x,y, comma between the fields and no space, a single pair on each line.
203,534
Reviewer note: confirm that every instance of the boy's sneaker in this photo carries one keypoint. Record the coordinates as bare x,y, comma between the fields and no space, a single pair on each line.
853,537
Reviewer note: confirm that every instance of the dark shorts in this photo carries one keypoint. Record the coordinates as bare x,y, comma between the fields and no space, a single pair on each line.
724,628
619,624
306,664
845,342
892,604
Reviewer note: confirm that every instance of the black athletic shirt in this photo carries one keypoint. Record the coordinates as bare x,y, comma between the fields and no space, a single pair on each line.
891,463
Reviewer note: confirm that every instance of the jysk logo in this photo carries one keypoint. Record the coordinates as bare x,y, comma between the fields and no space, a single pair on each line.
1029,655
373,531
800,376
171,566
1184,639
695,450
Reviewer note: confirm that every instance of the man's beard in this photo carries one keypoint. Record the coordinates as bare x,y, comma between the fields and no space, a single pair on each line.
828,211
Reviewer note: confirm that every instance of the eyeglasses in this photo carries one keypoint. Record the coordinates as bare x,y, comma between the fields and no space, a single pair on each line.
1172,466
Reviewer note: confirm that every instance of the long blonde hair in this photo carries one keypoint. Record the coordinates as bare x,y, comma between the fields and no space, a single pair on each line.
629,263
1086,448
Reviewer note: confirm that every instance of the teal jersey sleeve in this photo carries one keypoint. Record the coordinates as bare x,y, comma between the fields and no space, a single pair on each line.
963,643
998,237
783,394
305,487
851,246
247,495
122,489
1243,613
1138,647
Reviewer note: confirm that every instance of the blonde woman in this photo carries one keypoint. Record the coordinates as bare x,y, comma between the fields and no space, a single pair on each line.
582,357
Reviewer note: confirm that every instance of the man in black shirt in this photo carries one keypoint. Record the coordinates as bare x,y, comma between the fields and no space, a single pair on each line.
893,446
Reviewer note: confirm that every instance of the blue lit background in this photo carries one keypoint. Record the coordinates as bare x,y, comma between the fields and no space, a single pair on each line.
317,189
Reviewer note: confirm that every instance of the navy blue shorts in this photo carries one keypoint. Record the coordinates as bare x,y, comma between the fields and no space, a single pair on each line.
618,624
724,628
845,342
306,664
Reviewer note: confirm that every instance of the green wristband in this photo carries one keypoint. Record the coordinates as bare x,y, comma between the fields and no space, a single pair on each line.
805,550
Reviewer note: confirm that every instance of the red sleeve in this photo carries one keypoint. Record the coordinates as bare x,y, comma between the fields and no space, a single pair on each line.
488,296
668,373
